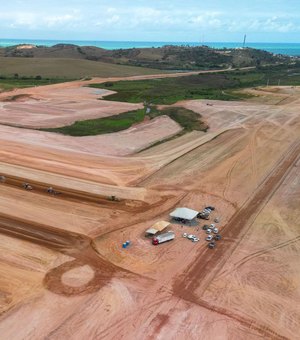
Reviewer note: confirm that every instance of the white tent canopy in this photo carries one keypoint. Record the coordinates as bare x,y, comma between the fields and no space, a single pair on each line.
184,213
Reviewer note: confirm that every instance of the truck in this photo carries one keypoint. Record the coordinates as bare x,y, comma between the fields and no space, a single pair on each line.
170,235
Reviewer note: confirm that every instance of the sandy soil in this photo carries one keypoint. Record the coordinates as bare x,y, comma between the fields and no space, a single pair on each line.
60,107
64,273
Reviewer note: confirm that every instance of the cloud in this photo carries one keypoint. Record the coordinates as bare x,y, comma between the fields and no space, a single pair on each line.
139,19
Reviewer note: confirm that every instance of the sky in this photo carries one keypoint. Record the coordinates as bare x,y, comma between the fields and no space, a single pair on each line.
141,20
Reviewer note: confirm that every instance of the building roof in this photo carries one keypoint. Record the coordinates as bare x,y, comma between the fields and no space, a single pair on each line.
184,213
158,226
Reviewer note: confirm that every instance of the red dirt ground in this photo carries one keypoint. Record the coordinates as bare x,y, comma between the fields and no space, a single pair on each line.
64,273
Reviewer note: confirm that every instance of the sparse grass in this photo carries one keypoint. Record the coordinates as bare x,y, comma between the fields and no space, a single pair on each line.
100,126
67,68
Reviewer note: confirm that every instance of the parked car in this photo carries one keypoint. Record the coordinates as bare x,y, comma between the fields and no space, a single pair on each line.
215,230
209,238
211,208
218,237
205,227
211,245
208,231
184,235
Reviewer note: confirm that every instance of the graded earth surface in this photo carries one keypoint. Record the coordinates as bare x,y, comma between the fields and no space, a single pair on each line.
64,273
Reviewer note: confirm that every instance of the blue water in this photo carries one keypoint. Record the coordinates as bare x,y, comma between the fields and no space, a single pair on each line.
292,49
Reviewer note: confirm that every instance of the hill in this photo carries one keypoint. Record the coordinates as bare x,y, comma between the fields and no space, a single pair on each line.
164,58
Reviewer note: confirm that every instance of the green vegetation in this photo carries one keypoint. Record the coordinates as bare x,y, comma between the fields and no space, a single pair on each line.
187,119
7,83
164,58
100,126
168,91
218,86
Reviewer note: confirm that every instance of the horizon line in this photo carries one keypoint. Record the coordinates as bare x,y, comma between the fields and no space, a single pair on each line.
149,41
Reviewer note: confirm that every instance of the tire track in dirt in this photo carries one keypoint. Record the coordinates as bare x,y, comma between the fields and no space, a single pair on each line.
228,180
69,243
192,285
237,225
264,330
250,257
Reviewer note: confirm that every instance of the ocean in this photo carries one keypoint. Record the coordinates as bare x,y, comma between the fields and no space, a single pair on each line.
292,49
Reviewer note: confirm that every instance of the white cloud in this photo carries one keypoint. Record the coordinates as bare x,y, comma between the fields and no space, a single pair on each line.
160,19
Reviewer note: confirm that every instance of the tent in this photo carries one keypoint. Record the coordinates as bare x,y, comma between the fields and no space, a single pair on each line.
157,227
184,214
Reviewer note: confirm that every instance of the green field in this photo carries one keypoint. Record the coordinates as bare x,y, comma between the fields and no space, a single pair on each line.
100,126
218,86
67,68
12,83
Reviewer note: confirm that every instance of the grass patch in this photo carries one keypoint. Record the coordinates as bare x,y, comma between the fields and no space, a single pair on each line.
12,83
216,86
187,119
101,126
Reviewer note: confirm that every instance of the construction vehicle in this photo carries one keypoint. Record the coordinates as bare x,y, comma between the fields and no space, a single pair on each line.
51,191
26,186
169,236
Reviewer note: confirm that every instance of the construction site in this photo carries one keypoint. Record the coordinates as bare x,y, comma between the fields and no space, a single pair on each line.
78,216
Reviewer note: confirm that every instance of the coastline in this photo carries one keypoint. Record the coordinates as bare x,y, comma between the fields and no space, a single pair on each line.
291,49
